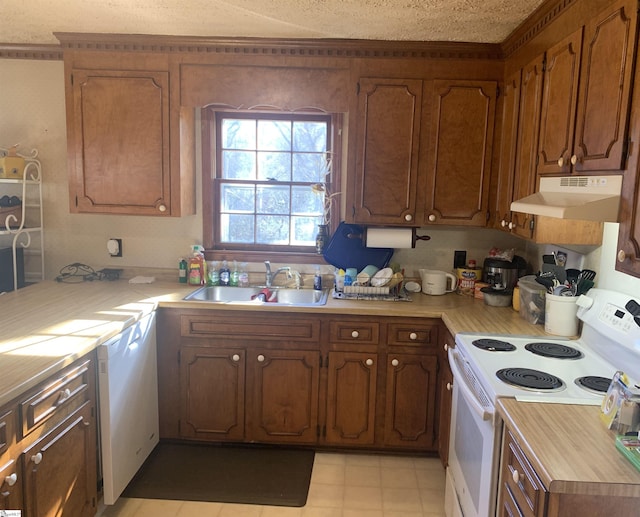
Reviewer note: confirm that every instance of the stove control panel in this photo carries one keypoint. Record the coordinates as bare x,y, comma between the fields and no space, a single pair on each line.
617,318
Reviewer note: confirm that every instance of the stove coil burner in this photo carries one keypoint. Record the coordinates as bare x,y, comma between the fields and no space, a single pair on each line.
530,379
494,345
554,350
594,384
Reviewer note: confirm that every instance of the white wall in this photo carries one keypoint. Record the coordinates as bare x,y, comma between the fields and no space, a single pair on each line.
32,112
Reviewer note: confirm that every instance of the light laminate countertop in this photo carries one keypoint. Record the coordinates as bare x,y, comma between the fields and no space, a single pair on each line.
48,325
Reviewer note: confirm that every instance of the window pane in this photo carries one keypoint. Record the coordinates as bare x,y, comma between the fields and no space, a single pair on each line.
239,165
237,228
274,135
237,198
310,136
304,230
309,167
305,202
238,133
273,199
272,230
274,166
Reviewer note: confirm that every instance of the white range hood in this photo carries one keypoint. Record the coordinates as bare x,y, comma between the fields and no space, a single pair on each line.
590,198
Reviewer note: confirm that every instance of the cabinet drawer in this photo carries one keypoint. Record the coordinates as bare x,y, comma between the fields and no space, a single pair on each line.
354,331
65,391
509,507
7,430
275,328
409,333
521,479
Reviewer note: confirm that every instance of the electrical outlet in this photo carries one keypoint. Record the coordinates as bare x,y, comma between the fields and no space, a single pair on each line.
114,247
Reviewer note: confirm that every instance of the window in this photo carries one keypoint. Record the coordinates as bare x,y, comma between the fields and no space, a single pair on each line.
270,180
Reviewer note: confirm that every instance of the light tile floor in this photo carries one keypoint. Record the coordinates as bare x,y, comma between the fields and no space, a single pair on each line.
342,485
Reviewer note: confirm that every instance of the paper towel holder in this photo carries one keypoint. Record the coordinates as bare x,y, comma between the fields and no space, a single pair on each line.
414,236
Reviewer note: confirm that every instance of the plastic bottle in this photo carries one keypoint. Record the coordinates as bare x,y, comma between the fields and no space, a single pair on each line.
195,270
225,274
213,275
182,271
234,279
317,280
244,275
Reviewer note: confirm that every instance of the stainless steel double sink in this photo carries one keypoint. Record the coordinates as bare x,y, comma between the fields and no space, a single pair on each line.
247,295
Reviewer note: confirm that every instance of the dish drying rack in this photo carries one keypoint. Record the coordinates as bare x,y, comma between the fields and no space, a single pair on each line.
381,294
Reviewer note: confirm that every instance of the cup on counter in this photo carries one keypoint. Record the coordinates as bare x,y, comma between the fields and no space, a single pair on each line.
365,276
350,275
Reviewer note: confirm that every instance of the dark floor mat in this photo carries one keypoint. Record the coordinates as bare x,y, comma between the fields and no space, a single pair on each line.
228,474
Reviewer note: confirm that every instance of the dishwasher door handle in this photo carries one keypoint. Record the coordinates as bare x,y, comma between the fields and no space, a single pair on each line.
461,384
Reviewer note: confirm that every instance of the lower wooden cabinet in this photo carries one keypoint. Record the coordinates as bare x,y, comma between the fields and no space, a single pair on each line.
299,379
351,398
48,446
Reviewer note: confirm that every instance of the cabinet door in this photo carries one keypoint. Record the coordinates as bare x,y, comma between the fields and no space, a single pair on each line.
285,395
456,188
212,386
409,419
445,400
351,398
388,137
60,469
10,485
605,87
509,140
524,176
119,142
559,99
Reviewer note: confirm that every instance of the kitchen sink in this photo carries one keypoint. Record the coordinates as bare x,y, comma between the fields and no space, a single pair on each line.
245,295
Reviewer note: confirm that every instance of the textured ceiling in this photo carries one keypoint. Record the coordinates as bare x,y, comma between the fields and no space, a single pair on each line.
488,21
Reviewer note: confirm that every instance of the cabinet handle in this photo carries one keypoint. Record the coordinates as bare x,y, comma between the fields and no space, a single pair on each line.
622,256
369,362
235,357
449,386
408,217
432,218
11,480
64,395
561,162
574,159
413,336
162,208
261,358
516,476
37,458
394,362
355,333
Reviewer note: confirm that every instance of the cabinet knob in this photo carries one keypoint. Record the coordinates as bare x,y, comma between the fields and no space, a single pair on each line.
162,208
432,218
235,357
355,333
622,256
408,217
369,362
561,162
413,336
574,159
37,458
11,479
515,476
503,223
64,395
449,386
395,362
261,358
446,347
511,226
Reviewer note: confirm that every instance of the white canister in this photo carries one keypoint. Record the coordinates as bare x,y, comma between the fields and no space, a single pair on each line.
561,317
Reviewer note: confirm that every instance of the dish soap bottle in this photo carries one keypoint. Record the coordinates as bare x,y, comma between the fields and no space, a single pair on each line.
234,279
225,274
317,280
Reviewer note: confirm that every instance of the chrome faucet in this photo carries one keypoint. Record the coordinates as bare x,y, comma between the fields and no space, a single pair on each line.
269,277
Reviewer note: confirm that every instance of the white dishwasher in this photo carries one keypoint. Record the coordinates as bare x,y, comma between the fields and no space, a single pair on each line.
128,399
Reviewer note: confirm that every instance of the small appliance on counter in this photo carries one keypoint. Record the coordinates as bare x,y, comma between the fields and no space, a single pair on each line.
503,273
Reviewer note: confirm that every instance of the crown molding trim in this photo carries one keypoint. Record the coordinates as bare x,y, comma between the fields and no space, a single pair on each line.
24,51
332,48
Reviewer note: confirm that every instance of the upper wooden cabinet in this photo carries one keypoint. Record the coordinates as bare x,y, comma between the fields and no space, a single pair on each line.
388,141
455,188
597,103
130,146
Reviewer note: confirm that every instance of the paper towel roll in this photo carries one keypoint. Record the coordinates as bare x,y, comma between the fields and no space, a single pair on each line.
389,238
